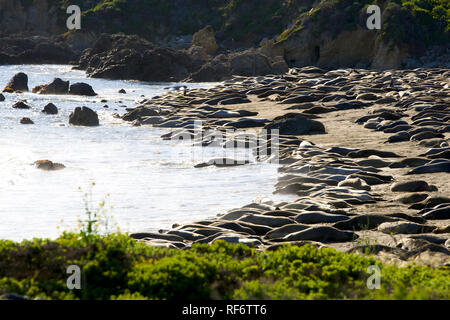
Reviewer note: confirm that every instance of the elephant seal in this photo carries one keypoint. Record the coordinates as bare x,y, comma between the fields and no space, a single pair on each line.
438,214
363,222
411,198
402,227
322,234
229,225
319,217
269,221
432,168
285,230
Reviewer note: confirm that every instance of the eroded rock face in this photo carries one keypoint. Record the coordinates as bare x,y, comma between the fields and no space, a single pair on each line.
130,57
318,42
205,38
84,117
17,49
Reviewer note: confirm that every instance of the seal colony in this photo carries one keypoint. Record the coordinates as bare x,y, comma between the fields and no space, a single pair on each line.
365,152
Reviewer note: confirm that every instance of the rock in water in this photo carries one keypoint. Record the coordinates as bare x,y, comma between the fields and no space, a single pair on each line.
26,120
84,117
2,97
21,105
18,82
50,109
57,86
82,89
297,125
48,165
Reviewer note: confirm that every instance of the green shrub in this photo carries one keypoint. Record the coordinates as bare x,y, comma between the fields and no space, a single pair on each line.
117,267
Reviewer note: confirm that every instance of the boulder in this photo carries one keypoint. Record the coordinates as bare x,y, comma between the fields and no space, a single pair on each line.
19,82
83,117
50,109
250,63
81,89
140,112
48,165
205,38
2,98
198,54
132,58
26,120
57,86
21,105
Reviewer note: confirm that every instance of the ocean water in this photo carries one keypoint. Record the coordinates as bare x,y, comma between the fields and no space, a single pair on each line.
150,183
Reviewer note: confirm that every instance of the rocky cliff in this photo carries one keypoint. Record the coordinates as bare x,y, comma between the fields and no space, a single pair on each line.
327,33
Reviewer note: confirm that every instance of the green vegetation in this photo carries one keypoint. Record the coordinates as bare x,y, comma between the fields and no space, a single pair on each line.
416,23
117,267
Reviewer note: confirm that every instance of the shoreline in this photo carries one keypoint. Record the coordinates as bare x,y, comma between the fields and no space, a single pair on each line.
325,216
348,138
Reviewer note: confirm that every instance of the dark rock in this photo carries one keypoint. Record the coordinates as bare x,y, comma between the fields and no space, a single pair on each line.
81,89
26,120
2,98
141,112
21,105
83,117
50,109
57,86
19,82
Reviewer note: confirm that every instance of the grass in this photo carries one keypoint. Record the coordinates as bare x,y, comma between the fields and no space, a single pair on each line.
117,267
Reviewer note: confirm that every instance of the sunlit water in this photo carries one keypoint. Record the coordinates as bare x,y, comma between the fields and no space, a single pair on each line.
151,183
